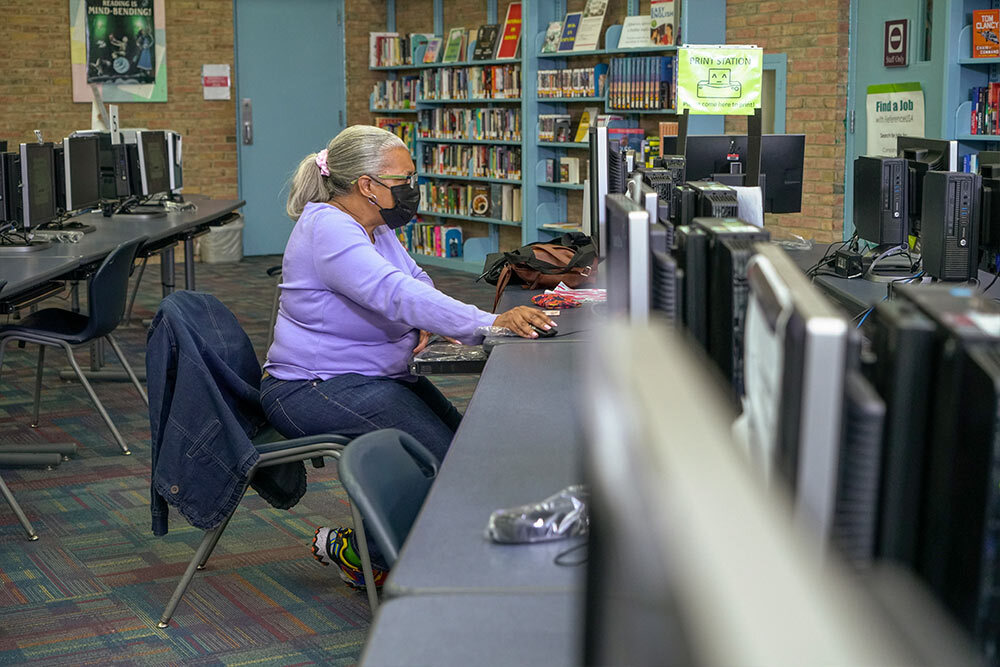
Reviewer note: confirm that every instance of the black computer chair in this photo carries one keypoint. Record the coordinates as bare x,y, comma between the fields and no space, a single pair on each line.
387,475
57,327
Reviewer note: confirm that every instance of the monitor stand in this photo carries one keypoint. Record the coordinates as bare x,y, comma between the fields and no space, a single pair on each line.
69,226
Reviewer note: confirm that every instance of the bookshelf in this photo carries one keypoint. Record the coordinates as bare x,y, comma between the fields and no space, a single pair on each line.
544,206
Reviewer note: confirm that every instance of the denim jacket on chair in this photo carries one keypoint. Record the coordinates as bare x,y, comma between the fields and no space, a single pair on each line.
204,408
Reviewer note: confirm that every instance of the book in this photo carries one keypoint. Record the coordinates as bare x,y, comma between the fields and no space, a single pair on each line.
480,204
635,33
552,34
589,33
377,57
570,26
587,119
486,41
418,40
569,170
663,22
433,49
550,170
510,38
453,51
562,129
986,33
452,241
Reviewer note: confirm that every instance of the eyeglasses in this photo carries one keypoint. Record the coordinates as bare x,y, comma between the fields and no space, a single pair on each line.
409,178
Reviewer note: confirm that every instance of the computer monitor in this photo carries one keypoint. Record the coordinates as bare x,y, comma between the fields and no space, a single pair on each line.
38,184
10,182
627,258
175,157
711,158
691,561
796,358
923,155
691,253
82,164
598,183
154,171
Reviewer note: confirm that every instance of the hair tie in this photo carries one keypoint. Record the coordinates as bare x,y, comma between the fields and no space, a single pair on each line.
324,168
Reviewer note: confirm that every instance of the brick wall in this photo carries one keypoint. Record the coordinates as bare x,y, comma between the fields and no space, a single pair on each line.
36,91
814,35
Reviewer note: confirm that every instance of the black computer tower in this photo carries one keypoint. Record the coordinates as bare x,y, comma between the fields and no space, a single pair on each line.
691,254
881,214
949,228
731,245
715,200
665,287
668,172
904,345
11,206
10,187
115,182
684,205
59,160
959,534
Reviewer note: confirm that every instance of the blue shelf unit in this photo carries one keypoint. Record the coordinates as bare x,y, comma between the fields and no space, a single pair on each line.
546,203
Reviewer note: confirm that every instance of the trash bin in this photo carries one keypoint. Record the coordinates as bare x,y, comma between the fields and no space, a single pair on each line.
223,245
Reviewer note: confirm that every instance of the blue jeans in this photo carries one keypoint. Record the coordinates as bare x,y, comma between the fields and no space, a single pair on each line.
352,404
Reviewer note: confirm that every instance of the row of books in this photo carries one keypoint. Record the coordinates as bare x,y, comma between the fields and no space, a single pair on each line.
641,83
577,82
477,161
473,124
581,31
404,129
476,83
390,49
401,93
424,238
555,127
496,201
985,108
564,170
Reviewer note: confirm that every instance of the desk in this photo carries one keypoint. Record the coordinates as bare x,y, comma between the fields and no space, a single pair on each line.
477,629
575,322
30,270
519,442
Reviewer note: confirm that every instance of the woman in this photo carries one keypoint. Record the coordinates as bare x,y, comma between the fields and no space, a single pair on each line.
354,307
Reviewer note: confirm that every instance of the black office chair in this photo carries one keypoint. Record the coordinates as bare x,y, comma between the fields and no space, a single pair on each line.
57,327
387,475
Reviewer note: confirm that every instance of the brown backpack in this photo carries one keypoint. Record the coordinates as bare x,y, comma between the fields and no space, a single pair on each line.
570,259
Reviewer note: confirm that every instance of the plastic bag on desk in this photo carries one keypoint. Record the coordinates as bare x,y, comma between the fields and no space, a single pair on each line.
451,352
796,243
565,514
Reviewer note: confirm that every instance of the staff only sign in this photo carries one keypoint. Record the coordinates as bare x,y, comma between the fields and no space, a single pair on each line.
894,110
719,80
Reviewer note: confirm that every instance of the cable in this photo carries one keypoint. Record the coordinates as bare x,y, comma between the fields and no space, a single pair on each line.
560,558
996,274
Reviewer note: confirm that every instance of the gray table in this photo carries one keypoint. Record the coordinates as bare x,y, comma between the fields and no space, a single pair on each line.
518,443
478,629
574,323
28,270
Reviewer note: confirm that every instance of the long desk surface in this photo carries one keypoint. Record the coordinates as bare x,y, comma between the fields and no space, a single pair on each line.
23,270
573,323
518,443
477,629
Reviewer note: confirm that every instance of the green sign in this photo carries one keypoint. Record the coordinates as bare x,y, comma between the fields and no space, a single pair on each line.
719,80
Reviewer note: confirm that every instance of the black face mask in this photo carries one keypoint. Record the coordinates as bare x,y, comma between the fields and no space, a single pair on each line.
407,200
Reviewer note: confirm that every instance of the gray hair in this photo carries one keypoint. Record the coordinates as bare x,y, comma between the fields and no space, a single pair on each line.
356,151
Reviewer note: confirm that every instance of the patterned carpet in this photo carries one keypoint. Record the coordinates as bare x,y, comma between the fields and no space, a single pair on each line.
91,590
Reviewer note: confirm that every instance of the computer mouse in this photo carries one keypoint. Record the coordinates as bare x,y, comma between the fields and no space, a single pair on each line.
544,333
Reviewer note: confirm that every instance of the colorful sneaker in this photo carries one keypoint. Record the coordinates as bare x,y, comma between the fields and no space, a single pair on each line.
336,546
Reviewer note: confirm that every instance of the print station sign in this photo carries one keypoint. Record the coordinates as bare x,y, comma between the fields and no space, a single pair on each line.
719,80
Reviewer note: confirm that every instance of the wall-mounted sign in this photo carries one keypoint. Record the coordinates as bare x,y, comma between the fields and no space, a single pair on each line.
894,110
720,80
896,43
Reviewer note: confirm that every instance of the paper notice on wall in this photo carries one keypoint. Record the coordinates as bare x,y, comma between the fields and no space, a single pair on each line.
215,81
893,110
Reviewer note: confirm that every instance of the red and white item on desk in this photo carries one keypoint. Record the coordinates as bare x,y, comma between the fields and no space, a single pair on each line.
567,297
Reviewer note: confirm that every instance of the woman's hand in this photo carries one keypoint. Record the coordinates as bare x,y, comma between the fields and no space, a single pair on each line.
425,338
520,319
